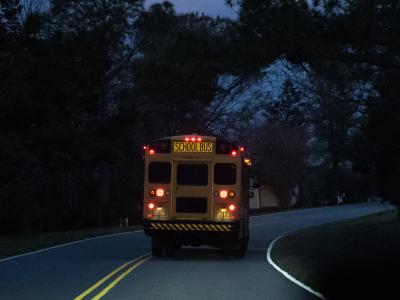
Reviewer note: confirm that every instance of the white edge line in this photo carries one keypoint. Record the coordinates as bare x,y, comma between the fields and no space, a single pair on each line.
287,275
316,208
67,244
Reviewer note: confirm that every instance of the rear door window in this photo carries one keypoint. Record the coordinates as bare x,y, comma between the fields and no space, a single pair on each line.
192,174
225,174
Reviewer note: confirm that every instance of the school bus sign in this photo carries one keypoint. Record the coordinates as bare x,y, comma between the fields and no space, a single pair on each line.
193,147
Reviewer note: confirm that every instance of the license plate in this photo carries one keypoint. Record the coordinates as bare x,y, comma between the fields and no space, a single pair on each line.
223,215
193,147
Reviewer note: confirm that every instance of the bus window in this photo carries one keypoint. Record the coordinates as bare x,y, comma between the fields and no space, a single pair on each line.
225,174
160,172
192,174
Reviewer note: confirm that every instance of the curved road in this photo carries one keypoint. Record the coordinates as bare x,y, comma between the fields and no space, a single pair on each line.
92,268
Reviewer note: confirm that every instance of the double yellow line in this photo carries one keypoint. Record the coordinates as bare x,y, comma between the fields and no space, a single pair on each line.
139,260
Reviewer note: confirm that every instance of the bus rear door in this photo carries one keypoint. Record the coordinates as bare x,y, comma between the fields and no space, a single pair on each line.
192,190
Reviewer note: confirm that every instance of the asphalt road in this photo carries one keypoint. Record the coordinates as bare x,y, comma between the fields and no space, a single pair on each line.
69,271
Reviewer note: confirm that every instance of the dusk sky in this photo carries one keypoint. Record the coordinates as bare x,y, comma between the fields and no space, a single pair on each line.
209,7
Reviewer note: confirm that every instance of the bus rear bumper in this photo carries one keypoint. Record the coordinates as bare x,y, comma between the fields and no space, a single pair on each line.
184,226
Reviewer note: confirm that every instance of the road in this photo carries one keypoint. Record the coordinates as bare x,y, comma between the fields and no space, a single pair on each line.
195,273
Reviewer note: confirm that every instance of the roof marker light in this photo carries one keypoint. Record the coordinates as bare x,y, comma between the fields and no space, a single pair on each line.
144,147
241,149
193,139
199,139
186,139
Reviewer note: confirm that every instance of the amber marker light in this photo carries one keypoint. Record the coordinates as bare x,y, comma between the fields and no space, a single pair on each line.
231,194
247,161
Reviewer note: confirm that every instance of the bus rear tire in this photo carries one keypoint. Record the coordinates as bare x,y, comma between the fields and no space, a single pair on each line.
241,249
156,246
170,248
237,249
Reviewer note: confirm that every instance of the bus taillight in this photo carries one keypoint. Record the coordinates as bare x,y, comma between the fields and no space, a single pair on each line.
234,153
232,207
151,151
151,205
160,192
223,194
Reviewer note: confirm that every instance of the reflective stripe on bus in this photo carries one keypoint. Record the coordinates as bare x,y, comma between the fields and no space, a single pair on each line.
195,227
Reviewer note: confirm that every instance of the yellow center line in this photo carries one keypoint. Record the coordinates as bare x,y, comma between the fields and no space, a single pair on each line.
119,278
101,281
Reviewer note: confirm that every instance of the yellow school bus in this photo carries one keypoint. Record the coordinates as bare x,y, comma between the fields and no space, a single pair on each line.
196,192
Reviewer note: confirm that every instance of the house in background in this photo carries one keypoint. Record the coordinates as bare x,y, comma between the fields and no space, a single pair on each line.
264,196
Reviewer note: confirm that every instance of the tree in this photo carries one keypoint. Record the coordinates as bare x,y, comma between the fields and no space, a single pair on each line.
318,34
278,152
177,76
59,72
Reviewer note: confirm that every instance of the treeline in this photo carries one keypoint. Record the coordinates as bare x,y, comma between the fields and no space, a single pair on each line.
83,84
342,94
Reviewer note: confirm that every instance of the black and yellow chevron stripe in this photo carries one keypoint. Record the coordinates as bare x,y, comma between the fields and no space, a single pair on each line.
193,227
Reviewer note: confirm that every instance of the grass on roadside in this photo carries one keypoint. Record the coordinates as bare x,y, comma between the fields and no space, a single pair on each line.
17,244
338,259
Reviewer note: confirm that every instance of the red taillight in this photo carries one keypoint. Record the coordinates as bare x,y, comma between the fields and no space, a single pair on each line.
160,193
151,151
234,153
151,206
223,194
144,147
232,207
241,149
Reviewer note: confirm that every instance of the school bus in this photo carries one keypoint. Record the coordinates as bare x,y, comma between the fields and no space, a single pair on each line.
196,192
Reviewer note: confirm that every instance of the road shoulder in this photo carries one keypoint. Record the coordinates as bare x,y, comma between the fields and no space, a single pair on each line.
354,258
